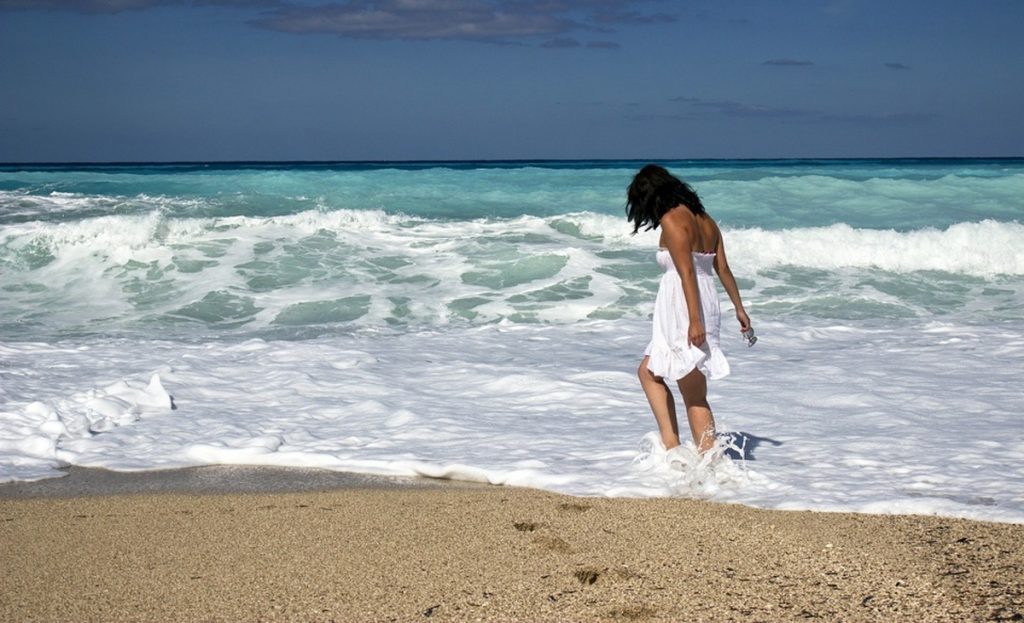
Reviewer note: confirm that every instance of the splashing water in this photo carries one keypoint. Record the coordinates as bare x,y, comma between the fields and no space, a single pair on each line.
689,473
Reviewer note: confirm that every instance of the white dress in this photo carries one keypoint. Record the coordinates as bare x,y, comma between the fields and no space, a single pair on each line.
670,357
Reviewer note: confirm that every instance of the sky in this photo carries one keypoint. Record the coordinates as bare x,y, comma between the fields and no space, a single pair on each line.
214,80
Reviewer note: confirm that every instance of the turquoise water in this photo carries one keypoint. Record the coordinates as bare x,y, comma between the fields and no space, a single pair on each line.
298,250
900,194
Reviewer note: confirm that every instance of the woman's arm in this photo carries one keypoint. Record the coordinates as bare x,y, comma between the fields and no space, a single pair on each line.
729,282
679,227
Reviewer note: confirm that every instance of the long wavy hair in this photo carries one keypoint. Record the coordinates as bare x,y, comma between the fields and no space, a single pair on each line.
653,192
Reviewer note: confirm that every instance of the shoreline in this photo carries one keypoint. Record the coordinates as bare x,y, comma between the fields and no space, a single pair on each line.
210,479
379,550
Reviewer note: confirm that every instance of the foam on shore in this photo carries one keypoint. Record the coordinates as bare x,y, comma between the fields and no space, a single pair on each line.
503,405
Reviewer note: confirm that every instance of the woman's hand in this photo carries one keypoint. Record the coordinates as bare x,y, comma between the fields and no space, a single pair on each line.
743,319
695,335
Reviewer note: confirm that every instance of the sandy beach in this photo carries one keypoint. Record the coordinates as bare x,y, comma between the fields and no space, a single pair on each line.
479,553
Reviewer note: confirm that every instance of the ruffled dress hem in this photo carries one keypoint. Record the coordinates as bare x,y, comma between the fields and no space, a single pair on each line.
674,363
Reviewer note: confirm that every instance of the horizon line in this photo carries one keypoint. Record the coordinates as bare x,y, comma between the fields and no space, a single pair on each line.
106,163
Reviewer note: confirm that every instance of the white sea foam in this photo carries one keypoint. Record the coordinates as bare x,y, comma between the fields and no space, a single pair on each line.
983,248
368,268
824,416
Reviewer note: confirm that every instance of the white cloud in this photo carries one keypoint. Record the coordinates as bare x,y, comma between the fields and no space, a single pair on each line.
480,20
118,6
498,21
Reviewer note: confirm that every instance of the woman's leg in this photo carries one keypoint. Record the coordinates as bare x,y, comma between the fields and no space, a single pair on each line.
662,404
694,388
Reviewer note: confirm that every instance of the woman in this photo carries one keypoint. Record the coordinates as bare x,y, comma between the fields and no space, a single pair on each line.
684,344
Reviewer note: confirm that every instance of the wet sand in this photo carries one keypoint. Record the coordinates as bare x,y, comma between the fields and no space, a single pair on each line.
85,481
419,551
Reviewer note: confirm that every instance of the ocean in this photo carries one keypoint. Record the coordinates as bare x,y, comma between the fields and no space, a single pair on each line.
483,321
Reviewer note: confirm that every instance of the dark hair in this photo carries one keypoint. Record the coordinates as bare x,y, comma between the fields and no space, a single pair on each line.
653,192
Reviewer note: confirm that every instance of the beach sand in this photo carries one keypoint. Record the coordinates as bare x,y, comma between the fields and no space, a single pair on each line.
481,553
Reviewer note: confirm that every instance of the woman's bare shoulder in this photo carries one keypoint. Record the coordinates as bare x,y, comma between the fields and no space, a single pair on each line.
679,228
679,216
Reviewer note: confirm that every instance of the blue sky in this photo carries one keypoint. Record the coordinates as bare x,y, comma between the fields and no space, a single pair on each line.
157,80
